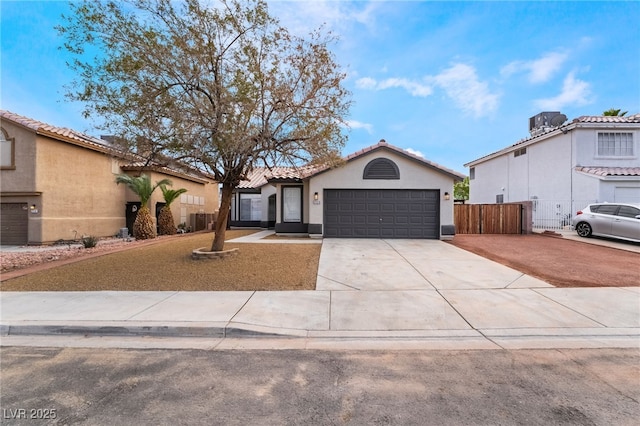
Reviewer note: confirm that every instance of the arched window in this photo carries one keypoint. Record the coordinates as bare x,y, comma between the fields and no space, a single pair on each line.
7,151
381,168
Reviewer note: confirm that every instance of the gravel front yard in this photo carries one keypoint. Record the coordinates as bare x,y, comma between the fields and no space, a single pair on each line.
561,262
166,265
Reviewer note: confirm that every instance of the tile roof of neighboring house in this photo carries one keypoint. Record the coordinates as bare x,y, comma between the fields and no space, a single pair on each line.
588,119
136,162
609,171
61,133
635,118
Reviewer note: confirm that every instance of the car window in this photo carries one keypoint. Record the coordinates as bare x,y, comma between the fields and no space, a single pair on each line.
594,208
628,211
607,209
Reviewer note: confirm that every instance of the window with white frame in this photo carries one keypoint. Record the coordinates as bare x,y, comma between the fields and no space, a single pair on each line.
615,144
7,151
250,207
292,204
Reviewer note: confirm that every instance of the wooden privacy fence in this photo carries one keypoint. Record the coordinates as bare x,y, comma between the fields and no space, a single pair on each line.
488,218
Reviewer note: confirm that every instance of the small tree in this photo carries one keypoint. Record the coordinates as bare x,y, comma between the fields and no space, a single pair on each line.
461,189
612,112
166,224
219,85
141,185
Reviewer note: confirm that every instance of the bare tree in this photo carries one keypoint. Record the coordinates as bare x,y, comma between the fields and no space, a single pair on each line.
219,85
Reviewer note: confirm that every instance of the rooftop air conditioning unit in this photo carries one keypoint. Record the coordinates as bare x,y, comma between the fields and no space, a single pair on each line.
544,121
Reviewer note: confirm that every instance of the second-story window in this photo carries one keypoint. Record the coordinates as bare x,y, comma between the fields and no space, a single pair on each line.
7,151
615,144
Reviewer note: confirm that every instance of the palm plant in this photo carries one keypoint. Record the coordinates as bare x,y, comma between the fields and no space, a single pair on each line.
166,225
612,112
141,185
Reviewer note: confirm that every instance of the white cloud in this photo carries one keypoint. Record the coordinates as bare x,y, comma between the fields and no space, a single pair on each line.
301,17
414,88
575,92
539,70
461,84
366,83
415,152
353,124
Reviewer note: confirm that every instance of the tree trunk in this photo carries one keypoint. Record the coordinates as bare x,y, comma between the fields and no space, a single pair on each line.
143,226
223,217
166,224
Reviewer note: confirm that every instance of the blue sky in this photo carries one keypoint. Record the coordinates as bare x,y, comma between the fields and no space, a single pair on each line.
452,81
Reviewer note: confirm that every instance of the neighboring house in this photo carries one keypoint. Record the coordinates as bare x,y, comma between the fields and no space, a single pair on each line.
57,183
379,192
562,167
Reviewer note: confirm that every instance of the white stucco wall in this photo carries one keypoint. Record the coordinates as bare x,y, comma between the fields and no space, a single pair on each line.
586,141
413,175
490,179
547,170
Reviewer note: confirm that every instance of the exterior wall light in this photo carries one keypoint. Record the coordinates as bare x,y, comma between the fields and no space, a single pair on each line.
315,196
447,196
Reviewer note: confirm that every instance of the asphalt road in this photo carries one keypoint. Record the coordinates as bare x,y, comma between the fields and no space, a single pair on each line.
171,387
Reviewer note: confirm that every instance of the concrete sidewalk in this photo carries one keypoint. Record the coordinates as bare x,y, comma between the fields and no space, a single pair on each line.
369,294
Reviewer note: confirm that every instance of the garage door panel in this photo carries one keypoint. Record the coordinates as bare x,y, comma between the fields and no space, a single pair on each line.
378,213
14,222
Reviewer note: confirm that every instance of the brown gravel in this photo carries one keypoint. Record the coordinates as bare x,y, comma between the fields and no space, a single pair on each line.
165,264
561,262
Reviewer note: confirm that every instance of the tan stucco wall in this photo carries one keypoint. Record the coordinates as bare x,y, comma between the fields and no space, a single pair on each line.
199,198
22,179
412,176
79,194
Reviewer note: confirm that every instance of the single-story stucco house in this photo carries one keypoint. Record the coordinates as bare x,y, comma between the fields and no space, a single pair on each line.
378,192
59,184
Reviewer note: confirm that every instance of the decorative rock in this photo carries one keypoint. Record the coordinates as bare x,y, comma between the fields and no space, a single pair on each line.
204,253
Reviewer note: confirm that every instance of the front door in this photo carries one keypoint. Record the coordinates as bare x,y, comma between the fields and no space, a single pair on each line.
131,214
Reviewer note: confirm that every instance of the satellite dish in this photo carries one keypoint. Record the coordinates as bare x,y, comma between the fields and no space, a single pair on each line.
557,120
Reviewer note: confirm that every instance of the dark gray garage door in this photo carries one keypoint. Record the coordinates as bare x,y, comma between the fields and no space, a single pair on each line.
14,219
381,213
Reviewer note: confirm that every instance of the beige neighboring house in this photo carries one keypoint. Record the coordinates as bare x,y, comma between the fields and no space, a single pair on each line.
57,183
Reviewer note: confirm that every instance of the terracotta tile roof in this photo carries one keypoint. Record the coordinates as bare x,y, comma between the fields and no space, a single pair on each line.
293,173
61,133
635,118
135,161
609,171
260,176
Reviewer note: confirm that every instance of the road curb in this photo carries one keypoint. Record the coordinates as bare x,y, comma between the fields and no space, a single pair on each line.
135,331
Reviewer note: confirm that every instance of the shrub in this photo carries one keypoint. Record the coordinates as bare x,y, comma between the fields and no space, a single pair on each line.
89,241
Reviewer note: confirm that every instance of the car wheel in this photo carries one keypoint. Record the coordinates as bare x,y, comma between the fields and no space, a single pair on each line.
584,229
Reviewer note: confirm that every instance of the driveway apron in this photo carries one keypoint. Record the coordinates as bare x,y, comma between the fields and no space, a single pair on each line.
429,284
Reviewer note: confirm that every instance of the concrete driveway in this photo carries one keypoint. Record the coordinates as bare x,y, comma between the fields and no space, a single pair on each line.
367,265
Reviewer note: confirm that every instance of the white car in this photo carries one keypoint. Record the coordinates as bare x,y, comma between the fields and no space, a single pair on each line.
614,220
